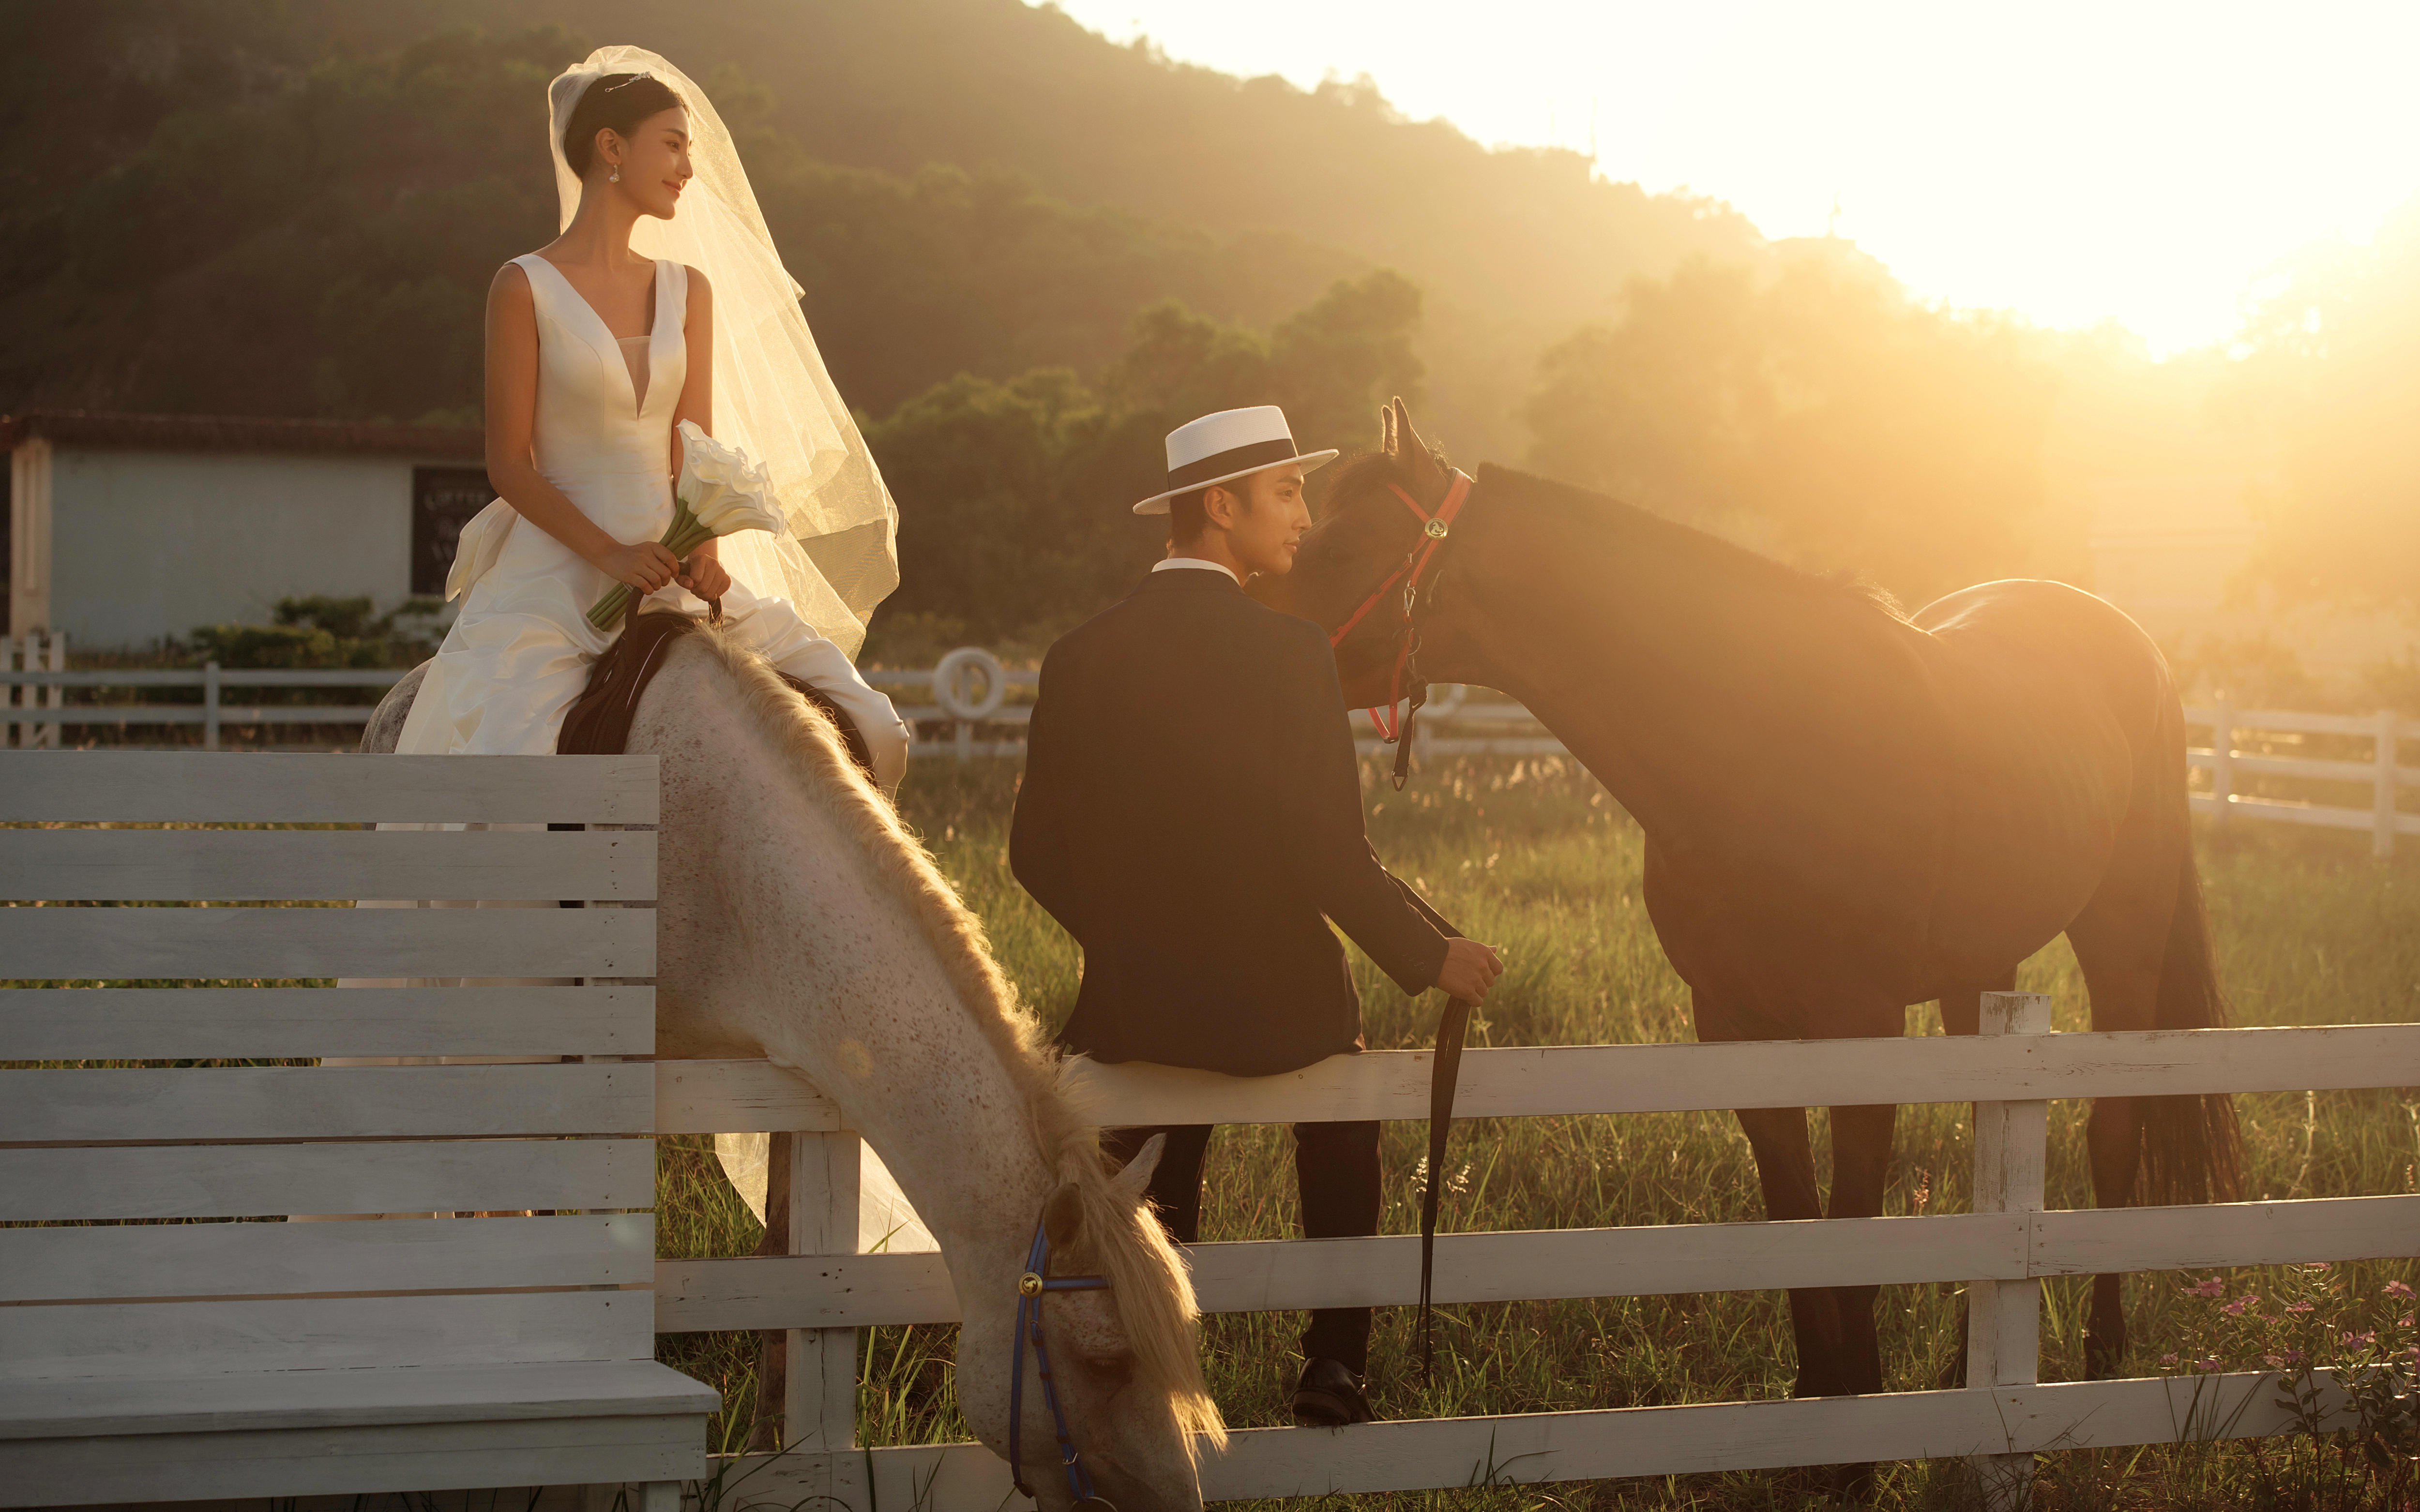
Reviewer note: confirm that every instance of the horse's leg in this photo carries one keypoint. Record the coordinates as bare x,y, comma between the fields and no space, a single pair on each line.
1861,1152
2125,995
1785,1168
2124,940
1961,1013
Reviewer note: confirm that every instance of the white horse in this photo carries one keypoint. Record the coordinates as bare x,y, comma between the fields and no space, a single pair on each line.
797,919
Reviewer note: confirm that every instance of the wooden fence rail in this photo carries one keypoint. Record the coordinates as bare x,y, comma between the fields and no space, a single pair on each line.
2383,773
2002,1251
962,709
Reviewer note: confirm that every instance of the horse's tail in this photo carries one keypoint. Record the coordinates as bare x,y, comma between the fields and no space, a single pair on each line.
2193,1150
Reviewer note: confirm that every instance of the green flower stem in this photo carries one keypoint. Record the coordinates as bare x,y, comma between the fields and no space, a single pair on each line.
684,535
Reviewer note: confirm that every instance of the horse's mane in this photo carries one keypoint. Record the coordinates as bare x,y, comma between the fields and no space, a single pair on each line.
1151,1287
1685,543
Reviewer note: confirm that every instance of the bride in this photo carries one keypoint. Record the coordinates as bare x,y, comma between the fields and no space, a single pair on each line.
662,300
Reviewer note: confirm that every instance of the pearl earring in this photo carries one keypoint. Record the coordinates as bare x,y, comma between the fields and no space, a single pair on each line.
616,176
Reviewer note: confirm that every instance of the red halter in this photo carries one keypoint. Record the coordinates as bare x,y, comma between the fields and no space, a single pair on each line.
1434,530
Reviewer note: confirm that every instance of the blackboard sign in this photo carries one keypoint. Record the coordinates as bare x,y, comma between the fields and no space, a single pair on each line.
442,501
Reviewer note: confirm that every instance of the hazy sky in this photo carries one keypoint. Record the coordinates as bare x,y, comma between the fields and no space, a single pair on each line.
2074,162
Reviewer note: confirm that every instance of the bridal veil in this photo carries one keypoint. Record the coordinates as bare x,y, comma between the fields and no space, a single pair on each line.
772,396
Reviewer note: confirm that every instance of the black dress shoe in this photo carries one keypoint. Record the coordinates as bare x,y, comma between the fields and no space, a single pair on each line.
1330,1396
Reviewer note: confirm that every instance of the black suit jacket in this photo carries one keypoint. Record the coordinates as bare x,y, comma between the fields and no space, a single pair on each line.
1191,812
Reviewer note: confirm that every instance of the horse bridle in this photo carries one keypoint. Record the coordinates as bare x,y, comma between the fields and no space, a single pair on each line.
1030,1288
1436,529
1455,1024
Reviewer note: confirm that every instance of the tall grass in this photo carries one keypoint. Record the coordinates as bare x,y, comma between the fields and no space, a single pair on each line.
1535,858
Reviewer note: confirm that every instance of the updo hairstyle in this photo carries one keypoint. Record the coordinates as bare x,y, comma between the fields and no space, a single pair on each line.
619,101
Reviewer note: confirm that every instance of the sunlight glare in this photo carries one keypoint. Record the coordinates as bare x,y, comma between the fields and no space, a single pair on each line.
2077,163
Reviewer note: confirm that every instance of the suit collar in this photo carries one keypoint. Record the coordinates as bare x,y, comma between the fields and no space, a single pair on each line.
1189,581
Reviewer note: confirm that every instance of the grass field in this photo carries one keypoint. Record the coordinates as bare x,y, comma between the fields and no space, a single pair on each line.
1534,857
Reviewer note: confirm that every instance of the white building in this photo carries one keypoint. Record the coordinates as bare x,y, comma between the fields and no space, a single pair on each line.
123,528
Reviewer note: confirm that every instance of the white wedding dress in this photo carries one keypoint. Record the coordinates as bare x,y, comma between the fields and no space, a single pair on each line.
519,652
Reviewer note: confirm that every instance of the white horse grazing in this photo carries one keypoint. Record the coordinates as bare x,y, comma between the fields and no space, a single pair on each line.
798,920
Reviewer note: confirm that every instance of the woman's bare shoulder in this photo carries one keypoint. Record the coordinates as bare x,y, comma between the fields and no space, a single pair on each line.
699,289
512,282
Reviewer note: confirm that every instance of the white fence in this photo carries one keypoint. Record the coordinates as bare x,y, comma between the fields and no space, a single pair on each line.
212,714
34,653
969,690
964,711
2003,1251
969,686
2383,773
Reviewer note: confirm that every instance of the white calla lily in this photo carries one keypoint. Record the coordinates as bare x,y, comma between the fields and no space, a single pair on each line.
724,487
721,490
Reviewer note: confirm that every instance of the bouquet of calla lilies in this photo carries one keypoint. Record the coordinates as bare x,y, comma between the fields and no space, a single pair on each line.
721,491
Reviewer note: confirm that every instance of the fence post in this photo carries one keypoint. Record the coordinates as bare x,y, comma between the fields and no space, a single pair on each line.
55,695
2004,1317
819,1396
209,705
10,697
2382,843
2222,756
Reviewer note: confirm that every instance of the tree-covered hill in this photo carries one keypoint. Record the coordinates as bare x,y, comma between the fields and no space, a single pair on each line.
245,221
212,171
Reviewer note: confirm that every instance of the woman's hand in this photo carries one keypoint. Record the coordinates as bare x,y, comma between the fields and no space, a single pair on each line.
703,574
647,567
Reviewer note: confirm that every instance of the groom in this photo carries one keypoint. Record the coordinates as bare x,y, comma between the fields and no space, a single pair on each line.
1191,813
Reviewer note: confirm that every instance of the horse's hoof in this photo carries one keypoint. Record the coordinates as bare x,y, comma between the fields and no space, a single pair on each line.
1853,1484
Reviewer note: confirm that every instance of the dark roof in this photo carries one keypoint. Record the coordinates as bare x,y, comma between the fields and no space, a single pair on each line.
106,429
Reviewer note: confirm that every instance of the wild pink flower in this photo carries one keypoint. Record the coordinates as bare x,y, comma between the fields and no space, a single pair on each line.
2213,1287
2167,1359
2399,1290
2211,1362
2235,1308
2298,1306
2404,1321
2363,1339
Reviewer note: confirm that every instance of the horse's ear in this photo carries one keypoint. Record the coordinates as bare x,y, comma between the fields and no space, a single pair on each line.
1403,442
1386,442
1405,445
1133,1181
1062,1216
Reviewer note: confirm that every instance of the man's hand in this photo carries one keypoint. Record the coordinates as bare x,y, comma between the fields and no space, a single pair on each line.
1470,968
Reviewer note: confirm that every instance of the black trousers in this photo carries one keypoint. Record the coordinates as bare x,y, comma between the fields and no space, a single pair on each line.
1335,1171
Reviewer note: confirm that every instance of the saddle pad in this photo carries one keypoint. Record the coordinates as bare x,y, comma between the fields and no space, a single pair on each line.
598,722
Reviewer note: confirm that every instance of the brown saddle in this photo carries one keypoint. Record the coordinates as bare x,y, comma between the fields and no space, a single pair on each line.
598,722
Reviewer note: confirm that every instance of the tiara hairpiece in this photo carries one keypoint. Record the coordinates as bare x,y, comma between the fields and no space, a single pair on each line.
627,82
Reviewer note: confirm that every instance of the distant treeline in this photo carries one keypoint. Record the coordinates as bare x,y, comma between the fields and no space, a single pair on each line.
1027,252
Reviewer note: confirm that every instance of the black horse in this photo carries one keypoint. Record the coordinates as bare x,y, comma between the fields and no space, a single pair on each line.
1848,809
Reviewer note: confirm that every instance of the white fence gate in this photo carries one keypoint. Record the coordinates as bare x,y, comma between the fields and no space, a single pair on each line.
2003,1251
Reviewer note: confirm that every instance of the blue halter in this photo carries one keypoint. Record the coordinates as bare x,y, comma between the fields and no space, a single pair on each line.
1036,1280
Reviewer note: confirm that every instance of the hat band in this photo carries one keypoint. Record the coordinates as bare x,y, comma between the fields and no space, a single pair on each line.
1230,462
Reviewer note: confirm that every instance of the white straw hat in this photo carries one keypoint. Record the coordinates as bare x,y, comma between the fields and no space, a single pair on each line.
1225,446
